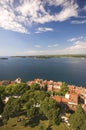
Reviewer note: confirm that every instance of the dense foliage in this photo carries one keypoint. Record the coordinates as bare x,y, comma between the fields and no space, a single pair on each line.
28,101
64,88
34,104
78,119
1,105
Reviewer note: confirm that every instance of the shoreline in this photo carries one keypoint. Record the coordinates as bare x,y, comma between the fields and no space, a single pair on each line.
38,79
83,56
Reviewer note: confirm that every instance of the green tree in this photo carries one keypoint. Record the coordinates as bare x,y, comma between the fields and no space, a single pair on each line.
1,105
26,96
41,127
2,91
35,86
78,118
64,88
16,89
8,89
51,110
83,127
12,108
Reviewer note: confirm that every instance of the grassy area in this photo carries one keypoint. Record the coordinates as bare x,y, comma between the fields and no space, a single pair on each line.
14,125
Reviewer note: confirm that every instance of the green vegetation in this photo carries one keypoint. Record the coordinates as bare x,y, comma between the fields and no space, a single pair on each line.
54,56
64,89
78,119
14,125
28,101
16,89
35,86
11,109
1,105
30,107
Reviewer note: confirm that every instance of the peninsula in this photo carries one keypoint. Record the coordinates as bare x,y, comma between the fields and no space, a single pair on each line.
53,56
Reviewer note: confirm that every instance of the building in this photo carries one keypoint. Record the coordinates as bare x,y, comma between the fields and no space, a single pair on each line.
18,80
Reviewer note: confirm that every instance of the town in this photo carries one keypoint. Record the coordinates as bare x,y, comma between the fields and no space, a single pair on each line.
75,95
67,97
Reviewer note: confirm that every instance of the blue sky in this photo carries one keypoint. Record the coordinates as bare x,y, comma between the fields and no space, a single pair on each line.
42,27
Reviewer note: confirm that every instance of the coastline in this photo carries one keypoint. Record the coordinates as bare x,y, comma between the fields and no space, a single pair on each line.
4,58
70,96
82,56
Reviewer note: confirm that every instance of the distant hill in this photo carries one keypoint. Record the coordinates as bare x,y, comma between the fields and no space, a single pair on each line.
54,56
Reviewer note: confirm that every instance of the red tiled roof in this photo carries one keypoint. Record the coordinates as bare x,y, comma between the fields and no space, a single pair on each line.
57,98
60,99
64,100
73,97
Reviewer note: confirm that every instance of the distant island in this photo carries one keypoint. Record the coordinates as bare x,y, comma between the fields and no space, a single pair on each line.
3,58
53,56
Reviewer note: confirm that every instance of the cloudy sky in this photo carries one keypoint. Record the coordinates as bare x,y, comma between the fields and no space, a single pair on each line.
38,27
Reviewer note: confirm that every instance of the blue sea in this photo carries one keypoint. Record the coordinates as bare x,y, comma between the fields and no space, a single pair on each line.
70,70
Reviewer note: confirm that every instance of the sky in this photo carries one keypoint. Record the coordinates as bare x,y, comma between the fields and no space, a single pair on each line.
42,27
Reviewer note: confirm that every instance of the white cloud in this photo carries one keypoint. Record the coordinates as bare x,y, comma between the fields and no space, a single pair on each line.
44,29
77,48
78,21
74,39
19,15
69,10
8,17
54,45
56,2
78,45
84,8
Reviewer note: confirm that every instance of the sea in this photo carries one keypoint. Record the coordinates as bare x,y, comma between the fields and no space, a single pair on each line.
69,70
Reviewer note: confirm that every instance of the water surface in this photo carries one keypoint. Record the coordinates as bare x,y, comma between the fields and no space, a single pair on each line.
70,70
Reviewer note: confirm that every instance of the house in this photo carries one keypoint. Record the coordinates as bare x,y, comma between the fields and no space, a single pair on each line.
71,88
18,80
57,85
73,99
7,98
67,95
57,98
5,82
60,99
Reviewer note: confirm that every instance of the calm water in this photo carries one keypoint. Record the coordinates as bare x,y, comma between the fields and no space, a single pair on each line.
70,70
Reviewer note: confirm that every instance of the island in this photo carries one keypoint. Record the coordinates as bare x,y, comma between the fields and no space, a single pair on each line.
3,58
53,56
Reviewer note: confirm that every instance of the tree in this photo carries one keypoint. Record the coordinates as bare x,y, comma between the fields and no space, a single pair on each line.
2,91
64,88
16,89
35,86
51,110
19,89
78,118
1,105
12,108
83,127
41,127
